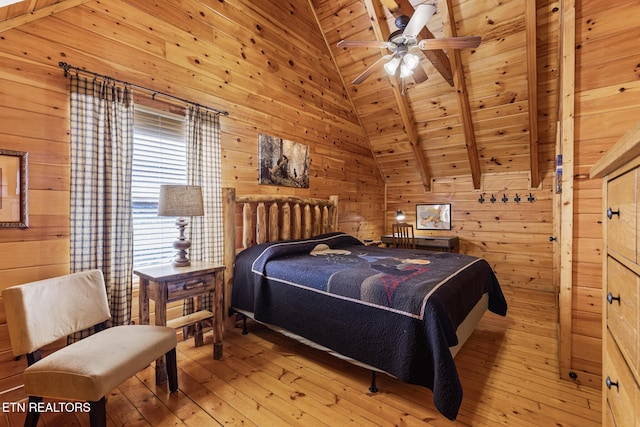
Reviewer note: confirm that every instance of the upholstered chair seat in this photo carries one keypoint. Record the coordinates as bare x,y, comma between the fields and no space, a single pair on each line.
40,313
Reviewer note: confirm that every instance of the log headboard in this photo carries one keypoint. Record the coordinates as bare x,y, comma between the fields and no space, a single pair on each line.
261,218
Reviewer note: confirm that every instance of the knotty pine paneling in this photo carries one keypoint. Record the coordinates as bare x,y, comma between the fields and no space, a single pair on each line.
512,237
265,63
606,107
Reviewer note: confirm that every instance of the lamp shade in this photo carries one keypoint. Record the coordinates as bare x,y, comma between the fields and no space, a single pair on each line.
180,200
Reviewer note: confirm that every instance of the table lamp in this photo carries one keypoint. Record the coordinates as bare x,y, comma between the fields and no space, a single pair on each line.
181,201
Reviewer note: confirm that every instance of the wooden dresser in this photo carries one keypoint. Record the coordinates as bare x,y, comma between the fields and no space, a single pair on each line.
620,170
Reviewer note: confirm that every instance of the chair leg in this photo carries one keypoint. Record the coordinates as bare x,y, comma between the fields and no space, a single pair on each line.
172,369
32,413
98,413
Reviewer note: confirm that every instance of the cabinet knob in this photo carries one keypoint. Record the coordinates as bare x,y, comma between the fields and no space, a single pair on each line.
611,213
611,298
610,383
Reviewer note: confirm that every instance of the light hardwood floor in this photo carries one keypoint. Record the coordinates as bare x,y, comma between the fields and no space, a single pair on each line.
508,370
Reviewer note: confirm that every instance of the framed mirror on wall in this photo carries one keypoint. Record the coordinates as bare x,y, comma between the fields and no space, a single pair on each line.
13,185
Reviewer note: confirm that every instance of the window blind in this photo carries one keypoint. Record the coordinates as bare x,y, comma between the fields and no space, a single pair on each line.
159,157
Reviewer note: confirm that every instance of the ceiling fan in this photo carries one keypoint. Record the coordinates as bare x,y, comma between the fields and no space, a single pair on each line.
402,61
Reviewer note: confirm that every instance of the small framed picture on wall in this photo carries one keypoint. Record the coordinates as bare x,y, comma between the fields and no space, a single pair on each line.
433,217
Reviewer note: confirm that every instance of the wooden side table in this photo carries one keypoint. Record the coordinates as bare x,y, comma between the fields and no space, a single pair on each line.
166,283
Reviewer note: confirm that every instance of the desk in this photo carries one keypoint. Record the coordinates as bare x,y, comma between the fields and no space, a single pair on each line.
166,283
434,243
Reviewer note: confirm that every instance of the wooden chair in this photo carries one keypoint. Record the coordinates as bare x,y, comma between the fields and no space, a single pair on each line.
40,313
403,236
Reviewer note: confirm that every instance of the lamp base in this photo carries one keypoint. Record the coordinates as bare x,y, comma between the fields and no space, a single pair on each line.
182,245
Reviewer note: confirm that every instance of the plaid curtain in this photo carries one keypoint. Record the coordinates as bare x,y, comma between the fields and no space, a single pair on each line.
101,217
204,168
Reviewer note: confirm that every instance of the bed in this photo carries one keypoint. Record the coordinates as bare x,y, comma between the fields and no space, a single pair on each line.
401,312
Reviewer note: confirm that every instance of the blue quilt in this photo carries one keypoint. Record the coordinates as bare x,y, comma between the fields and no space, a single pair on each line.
397,310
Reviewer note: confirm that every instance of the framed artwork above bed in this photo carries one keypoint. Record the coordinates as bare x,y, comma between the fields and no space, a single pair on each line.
433,216
283,162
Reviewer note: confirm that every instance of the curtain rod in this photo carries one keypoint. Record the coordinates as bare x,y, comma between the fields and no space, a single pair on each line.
66,67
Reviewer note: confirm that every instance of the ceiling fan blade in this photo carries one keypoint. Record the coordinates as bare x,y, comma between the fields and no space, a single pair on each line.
420,17
372,68
363,43
450,43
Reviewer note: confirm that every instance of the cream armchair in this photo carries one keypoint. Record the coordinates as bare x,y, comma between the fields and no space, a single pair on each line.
39,313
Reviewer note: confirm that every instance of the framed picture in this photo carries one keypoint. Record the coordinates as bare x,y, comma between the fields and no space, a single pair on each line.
13,189
283,162
433,217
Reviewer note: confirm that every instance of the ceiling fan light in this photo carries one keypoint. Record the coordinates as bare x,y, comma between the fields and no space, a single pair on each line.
391,66
411,61
405,71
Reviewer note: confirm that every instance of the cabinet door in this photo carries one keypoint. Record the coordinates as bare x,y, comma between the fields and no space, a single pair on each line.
621,214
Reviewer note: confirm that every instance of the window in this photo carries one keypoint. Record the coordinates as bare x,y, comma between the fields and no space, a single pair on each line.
159,157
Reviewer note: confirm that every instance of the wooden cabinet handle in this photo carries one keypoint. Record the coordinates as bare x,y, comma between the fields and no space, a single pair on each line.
611,213
611,298
610,383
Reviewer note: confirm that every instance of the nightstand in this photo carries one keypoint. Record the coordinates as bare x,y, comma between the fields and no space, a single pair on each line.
166,283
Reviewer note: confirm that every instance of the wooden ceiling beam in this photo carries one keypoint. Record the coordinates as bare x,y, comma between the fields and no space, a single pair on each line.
532,76
381,30
449,26
437,57
34,15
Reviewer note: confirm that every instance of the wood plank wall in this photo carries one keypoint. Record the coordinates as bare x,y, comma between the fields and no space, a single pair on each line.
264,62
607,106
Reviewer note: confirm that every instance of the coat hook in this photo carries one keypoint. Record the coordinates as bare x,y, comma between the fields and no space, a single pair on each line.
505,199
531,199
492,199
517,198
481,199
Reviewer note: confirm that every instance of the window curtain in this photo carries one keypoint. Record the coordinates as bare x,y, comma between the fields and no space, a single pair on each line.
204,169
101,216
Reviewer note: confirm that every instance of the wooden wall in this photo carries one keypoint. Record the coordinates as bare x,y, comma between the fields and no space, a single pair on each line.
607,106
264,62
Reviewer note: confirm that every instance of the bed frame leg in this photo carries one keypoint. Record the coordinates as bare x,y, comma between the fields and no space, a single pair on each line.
373,388
245,331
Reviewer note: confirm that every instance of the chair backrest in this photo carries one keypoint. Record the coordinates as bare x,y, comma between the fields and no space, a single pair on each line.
403,236
39,313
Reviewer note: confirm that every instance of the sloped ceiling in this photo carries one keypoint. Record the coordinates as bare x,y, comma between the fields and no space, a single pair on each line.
481,118
480,124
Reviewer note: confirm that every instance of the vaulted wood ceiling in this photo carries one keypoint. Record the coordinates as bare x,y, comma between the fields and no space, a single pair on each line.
475,114
478,121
